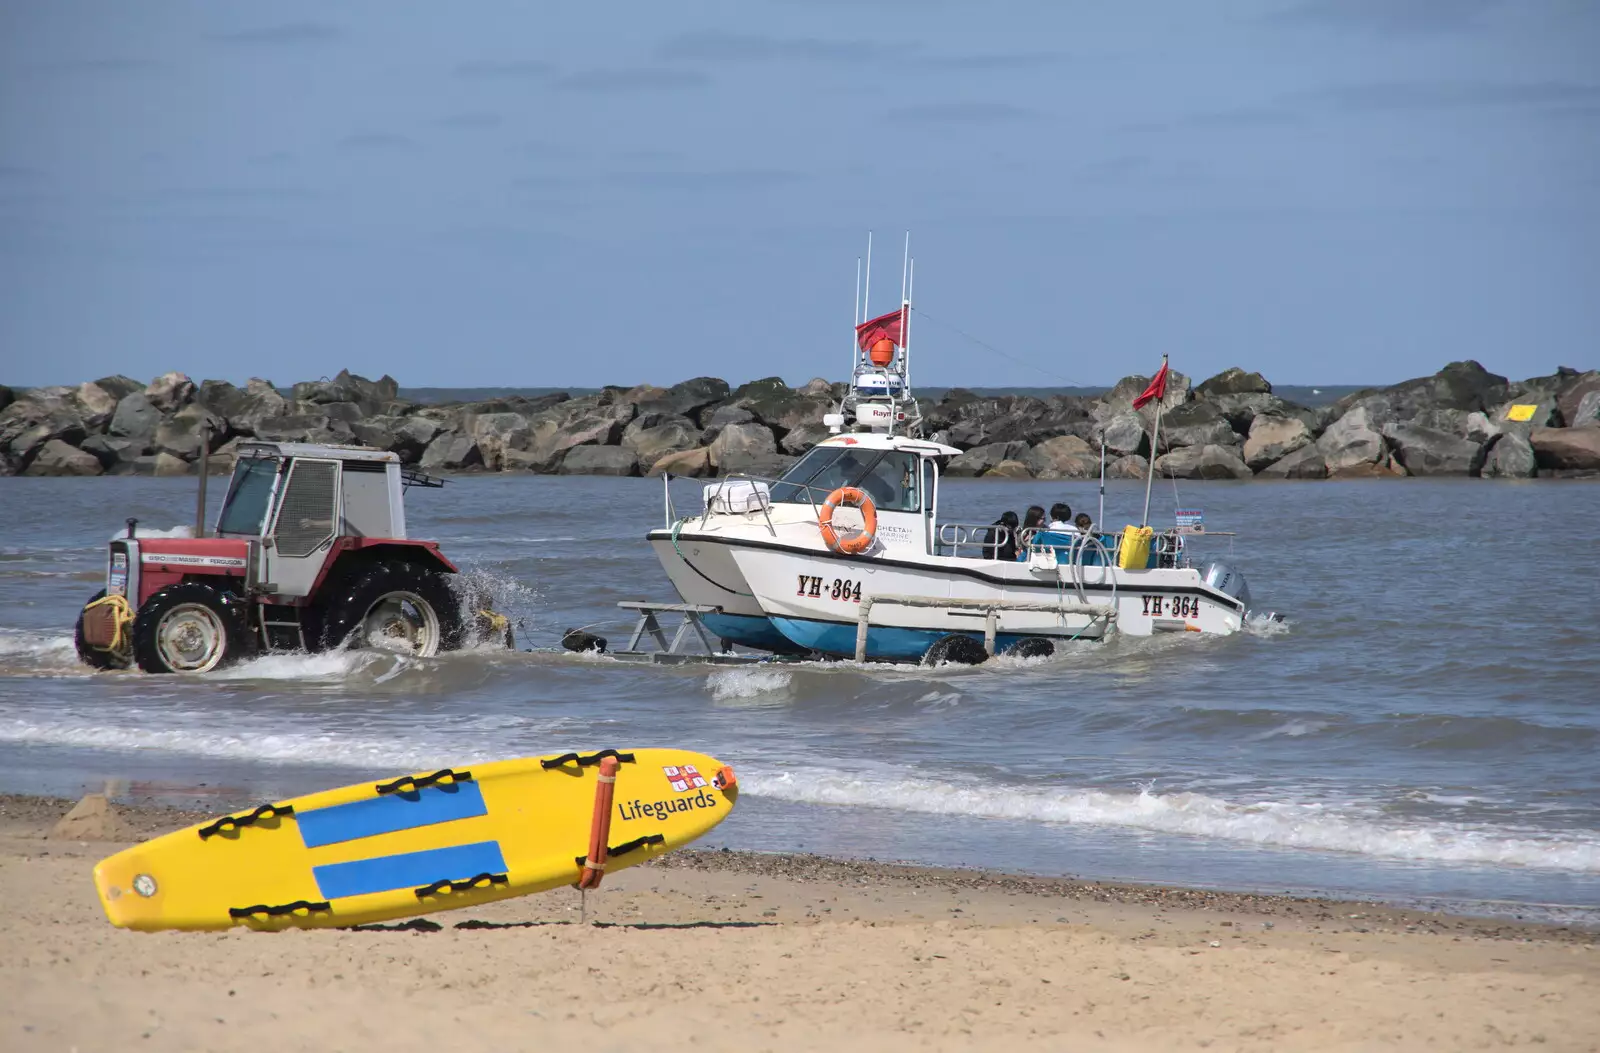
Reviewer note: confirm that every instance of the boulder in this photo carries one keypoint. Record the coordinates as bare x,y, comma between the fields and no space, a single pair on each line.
659,435
35,419
495,433
452,450
1568,449
170,392
165,464
304,427
1120,398
1351,441
1464,386
1125,435
370,395
348,412
1304,463
376,432
799,440
135,417
748,448
1427,451
96,405
694,464
247,409
817,386
1579,399
182,434
1273,438
1063,457
1233,381
1480,428
1009,470
1196,424
1203,462
730,413
1511,457
58,458
7,396
980,459
1130,467
686,399
412,437
115,455
600,460
1535,411
118,386
1242,410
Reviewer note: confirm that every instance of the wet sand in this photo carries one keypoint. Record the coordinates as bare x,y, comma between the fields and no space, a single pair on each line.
739,951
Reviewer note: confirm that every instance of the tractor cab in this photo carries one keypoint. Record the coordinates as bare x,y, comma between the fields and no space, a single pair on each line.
309,552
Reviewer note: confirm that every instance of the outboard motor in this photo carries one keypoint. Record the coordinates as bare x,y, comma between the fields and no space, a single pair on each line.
1225,579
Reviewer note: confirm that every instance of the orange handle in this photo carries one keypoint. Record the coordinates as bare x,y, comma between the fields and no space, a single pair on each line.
605,791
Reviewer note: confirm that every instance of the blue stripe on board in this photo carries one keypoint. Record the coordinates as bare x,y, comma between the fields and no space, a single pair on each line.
391,812
408,869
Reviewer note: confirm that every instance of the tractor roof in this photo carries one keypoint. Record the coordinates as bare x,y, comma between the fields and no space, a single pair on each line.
328,451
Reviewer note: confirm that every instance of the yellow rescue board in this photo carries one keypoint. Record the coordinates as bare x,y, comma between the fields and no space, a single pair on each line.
424,842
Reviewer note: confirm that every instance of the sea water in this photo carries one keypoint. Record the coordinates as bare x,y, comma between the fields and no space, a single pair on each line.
1422,727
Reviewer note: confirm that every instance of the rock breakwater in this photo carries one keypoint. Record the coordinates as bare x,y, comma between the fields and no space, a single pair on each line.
1461,421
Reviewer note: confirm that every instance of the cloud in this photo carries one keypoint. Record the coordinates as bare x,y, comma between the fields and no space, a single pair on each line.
1452,95
470,121
505,70
1398,17
643,78
288,34
739,47
376,142
961,113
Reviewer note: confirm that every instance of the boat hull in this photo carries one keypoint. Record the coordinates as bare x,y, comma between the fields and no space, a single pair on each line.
703,572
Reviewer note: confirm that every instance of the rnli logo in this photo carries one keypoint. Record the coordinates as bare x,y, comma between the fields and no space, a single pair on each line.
684,778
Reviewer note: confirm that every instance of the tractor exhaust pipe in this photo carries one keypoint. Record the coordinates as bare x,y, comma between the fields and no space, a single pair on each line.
205,470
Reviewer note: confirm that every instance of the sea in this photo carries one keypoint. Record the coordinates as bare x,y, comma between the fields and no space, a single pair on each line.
1421,727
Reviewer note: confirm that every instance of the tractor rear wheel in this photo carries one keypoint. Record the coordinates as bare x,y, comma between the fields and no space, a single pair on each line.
398,607
190,627
88,653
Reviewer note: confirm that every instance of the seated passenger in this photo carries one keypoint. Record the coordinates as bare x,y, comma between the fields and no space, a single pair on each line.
1002,543
1032,524
1061,517
1083,523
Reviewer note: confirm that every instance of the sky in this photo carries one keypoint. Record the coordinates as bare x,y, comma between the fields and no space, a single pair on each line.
492,192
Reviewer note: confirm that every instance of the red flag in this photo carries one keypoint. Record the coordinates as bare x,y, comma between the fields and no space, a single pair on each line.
883,327
1156,390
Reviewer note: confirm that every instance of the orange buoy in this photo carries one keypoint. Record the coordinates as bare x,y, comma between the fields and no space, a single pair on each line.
882,352
854,498
605,791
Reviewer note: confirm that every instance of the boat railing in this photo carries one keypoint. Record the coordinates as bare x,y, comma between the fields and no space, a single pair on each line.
980,540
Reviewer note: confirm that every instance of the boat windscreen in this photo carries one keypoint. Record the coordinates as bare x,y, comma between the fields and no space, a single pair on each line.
888,477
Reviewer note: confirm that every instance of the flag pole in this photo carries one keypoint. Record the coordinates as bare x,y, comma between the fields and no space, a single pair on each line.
1102,517
1155,444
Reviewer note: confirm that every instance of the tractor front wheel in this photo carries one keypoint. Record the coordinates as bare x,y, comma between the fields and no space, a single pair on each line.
91,654
398,607
189,628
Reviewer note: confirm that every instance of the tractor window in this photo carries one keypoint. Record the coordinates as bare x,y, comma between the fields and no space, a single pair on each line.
249,493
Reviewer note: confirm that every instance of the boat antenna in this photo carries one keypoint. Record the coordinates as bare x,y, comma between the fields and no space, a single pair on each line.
855,320
905,325
866,295
1102,517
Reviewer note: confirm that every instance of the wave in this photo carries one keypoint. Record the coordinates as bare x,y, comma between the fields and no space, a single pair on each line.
180,530
1269,823
727,685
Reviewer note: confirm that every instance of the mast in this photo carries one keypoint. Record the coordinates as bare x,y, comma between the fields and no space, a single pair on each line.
1102,517
1155,444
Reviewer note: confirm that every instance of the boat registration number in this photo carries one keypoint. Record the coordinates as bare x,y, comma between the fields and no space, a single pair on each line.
1171,606
841,589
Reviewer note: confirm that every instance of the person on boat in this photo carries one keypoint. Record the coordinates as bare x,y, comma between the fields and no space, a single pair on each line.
1061,517
1002,543
1032,523
1083,523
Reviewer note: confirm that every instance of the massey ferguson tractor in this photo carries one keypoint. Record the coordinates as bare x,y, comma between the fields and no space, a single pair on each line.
309,553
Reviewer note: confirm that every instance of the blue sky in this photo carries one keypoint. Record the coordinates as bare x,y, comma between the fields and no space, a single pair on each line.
487,193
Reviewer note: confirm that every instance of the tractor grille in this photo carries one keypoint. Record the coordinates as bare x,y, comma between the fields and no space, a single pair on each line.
306,517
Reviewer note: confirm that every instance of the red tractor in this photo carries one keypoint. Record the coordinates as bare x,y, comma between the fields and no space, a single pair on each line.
309,553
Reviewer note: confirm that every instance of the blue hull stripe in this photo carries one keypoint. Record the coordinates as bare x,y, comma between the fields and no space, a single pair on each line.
408,869
882,641
391,812
747,631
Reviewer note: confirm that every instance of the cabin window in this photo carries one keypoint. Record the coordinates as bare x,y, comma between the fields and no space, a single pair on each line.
888,477
248,496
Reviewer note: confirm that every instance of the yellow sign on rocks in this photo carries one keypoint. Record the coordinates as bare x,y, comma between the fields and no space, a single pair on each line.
1523,412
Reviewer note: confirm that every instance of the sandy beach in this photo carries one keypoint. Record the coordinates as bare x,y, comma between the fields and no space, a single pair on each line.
717,950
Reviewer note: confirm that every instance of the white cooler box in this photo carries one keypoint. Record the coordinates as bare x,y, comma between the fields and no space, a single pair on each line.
737,496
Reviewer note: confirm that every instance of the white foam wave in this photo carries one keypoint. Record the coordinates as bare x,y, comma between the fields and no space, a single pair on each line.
35,645
144,531
738,684
1269,823
324,666
1264,625
1293,729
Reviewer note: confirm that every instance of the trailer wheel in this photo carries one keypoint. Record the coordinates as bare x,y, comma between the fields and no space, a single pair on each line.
398,607
957,648
189,628
88,653
1031,647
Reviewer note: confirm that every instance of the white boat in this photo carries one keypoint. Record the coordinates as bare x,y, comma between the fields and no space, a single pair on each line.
792,565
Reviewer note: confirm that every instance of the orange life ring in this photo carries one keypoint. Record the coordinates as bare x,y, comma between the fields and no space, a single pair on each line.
854,498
